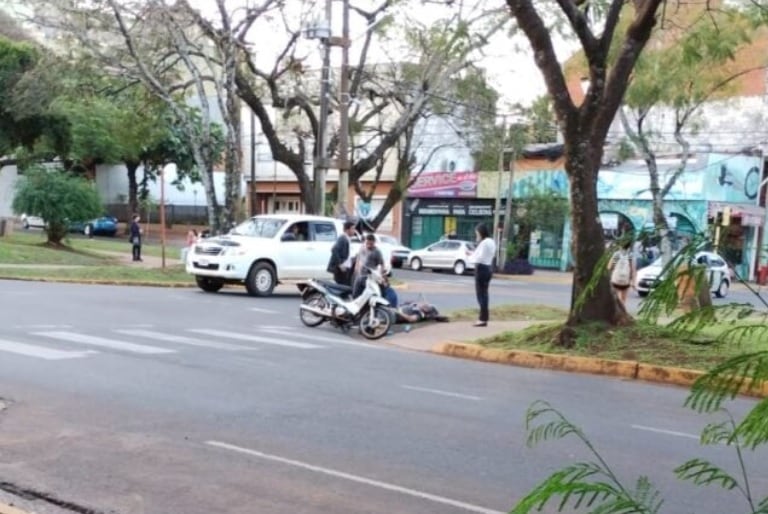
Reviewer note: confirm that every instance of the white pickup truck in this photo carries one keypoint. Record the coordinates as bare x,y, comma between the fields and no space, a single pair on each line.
266,250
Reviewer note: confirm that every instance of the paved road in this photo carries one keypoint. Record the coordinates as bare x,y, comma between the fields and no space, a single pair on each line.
141,400
450,292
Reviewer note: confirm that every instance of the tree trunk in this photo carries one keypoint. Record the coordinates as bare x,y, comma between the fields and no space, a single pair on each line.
133,186
588,246
232,170
659,219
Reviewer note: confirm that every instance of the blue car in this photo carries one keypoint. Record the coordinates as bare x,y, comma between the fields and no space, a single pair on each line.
103,226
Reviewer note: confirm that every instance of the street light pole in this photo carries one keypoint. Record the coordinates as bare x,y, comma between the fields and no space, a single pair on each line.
344,153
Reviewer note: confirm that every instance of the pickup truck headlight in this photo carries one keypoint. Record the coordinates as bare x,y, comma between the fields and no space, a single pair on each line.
232,252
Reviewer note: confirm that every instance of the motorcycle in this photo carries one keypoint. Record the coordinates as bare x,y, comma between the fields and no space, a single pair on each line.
327,301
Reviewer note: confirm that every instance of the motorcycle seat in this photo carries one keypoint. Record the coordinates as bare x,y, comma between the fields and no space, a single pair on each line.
335,288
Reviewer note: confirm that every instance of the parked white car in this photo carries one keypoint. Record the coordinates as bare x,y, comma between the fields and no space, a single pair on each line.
449,254
265,250
28,221
717,269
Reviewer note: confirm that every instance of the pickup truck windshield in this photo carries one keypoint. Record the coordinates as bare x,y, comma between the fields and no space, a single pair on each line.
259,227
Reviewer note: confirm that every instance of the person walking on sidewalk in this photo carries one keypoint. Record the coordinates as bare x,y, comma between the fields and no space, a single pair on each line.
622,269
482,257
135,238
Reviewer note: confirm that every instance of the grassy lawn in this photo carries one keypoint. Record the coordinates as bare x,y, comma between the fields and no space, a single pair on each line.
643,342
24,248
115,273
31,249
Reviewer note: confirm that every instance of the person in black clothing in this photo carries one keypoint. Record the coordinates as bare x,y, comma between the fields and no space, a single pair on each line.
339,264
135,238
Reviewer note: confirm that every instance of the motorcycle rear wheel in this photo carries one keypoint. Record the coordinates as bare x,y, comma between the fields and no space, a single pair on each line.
310,319
376,326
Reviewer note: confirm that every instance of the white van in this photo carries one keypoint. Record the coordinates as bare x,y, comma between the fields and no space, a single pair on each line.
264,251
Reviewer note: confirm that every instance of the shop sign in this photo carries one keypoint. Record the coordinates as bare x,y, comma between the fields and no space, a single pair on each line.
461,184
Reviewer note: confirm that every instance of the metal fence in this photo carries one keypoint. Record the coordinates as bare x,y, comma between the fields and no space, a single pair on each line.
174,214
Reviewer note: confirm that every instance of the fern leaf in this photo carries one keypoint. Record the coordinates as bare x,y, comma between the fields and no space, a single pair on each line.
726,380
717,433
702,472
752,431
557,428
571,485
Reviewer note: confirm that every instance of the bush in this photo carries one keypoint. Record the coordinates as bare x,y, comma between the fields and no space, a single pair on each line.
58,197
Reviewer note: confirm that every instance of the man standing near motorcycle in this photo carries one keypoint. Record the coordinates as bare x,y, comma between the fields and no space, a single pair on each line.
369,257
340,262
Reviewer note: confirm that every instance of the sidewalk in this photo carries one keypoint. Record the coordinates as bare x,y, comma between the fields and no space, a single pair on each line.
423,337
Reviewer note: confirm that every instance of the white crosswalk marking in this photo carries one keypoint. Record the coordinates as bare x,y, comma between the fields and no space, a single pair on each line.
104,342
171,338
248,337
341,339
40,352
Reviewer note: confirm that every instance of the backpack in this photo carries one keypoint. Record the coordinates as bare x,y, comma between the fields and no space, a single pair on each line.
622,270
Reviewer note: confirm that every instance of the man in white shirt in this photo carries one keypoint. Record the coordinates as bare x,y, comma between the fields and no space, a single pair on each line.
482,257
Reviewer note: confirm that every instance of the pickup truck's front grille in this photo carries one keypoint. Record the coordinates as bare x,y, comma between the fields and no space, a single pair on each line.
200,250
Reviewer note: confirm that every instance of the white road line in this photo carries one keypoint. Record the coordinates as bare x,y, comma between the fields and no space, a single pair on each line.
357,478
171,338
41,352
442,393
42,327
263,311
255,339
666,432
104,342
342,339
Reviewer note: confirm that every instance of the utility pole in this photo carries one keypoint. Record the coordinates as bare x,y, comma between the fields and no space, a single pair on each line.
252,189
497,233
509,227
344,153
162,216
321,158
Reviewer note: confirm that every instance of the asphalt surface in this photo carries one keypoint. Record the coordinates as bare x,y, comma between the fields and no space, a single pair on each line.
143,400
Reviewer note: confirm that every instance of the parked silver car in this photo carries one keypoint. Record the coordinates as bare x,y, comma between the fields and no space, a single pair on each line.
450,254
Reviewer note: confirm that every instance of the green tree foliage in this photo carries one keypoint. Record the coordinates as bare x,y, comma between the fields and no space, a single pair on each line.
538,210
58,197
17,127
687,68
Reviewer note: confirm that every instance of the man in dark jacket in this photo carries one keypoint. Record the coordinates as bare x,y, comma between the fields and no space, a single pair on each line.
340,264
135,234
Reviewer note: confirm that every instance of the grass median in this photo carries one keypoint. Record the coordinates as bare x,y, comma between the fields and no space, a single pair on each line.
643,342
27,256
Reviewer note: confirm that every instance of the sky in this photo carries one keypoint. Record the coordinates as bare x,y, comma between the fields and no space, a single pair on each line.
508,61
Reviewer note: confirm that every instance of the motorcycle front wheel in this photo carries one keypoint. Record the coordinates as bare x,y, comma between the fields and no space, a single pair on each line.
376,325
317,301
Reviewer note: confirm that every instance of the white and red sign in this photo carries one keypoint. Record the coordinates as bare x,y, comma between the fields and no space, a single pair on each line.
445,184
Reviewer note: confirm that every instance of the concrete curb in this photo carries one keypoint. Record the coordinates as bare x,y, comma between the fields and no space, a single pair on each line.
631,370
7,509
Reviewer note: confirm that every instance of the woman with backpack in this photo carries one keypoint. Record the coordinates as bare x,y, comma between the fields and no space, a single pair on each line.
622,270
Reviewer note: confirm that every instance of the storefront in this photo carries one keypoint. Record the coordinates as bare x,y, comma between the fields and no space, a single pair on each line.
426,220
710,183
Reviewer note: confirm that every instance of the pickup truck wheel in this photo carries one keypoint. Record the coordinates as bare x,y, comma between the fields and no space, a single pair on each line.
209,285
261,280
